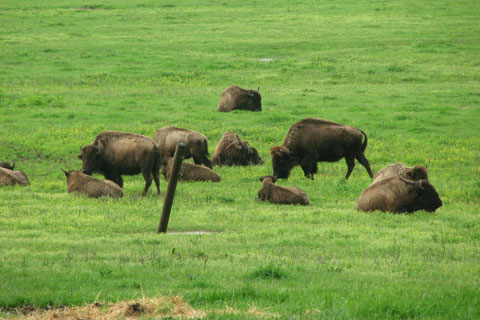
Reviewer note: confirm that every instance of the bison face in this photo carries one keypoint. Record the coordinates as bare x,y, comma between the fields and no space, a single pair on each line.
254,100
90,159
428,198
282,162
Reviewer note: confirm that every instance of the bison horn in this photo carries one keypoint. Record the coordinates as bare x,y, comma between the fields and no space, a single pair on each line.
13,164
66,172
258,89
420,185
81,148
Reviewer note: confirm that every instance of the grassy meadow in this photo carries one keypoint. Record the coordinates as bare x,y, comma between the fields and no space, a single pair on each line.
405,72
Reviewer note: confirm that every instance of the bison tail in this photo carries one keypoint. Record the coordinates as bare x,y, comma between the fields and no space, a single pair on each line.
365,142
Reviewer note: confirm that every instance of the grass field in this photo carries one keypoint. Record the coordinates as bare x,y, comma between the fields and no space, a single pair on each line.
405,72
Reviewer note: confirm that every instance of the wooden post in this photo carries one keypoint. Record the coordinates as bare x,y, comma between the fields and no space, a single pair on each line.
172,185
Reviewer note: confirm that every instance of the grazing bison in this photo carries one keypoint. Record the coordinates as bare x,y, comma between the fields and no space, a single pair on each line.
399,170
312,140
6,165
190,172
90,186
281,195
397,195
167,139
10,178
230,151
236,98
121,153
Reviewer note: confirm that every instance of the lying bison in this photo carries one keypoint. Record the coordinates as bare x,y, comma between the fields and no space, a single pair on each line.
167,139
114,154
399,170
281,195
10,178
6,165
313,140
397,195
236,98
230,151
190,172
90,186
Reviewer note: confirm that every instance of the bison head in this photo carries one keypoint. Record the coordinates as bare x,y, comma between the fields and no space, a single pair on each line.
254,100
7,165
428,198
272,179
282,161
90,156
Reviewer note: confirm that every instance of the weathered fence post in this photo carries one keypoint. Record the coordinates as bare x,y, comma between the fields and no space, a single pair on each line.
172,185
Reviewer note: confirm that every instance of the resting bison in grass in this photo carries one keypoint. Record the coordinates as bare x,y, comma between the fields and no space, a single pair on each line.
6,165
90,186
114,154
236,98
281,195
399,170
231,151
190,172
10,178
398,195
312,140
167,139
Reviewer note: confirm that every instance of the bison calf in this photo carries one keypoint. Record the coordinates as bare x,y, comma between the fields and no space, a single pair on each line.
399,170
230,151
10,178
236,98
190,172
398,195
281,195
90,186
196,143
6,165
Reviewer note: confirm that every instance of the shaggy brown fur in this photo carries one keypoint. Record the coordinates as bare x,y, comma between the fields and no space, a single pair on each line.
6,165
236,98
231,151
167,139
190,172
10,178
399,170
397,195
281,195
114,154
90,186
315,140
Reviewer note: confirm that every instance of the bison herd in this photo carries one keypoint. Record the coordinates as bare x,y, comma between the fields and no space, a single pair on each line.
396,188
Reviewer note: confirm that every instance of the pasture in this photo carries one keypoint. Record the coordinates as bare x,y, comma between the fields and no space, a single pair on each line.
405,72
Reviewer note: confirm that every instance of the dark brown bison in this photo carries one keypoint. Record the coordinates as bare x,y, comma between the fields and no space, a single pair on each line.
90,186
399,170
6,165
167,139
281,195
10,178
313,140
114,154
236,98
397,195
231,151
190,172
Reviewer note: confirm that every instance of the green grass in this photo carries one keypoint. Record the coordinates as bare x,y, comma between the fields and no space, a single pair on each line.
405,72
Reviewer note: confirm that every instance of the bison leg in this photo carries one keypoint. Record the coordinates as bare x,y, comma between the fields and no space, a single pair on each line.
157,180
115,178
148,182
351,165
364,162
309,167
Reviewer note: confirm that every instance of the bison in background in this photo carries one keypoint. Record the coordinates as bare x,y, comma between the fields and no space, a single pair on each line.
167,139
398,195
6,165
10,178
281,195
231,151
90,186
190,172
399,170
313,140
236,98
114,154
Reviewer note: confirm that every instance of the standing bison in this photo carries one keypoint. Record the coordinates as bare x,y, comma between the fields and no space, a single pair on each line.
230,151
167,139
90,186
316,140
398,195
281,195
114,154
236,98
399,170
